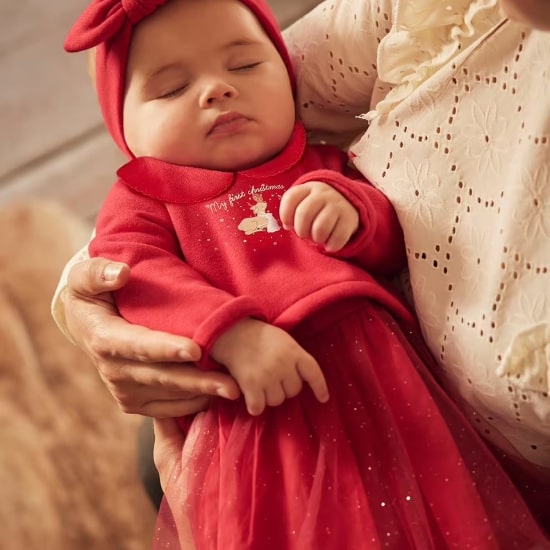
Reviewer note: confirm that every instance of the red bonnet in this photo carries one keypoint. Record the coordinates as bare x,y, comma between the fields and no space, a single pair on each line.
107,25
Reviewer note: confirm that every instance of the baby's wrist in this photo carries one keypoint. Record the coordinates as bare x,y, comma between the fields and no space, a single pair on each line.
232,340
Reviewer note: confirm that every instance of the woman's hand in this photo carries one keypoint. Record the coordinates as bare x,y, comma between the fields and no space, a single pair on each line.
169,442
146,371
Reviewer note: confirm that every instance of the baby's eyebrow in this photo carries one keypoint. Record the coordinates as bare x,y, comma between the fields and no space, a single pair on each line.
164,69
241,42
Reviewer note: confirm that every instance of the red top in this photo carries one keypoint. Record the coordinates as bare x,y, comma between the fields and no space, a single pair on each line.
207,248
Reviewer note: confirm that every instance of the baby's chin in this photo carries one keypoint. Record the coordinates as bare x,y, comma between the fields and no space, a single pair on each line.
232,159
238,164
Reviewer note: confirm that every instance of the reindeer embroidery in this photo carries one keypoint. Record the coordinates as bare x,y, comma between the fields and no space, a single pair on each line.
262,220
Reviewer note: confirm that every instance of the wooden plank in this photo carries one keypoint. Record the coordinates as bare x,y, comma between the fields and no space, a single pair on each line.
25,21
49,101
78,177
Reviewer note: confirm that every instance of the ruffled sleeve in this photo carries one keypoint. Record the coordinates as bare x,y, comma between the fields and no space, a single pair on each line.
357,60
426,35
57,306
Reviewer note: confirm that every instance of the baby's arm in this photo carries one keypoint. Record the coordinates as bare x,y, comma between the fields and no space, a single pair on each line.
268,364
347,217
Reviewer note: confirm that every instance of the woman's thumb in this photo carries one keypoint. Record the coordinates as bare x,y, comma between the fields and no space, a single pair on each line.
96,276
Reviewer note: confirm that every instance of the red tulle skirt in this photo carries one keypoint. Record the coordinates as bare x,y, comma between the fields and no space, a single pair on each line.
389,462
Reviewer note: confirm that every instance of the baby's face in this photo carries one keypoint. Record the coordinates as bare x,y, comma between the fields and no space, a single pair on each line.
535,13
206,87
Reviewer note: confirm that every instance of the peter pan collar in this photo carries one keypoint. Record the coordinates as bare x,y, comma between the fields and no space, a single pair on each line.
172,183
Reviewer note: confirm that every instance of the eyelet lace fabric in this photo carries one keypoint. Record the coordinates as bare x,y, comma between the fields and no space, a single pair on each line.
425,36
459,140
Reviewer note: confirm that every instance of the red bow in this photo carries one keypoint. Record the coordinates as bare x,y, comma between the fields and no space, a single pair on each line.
104,19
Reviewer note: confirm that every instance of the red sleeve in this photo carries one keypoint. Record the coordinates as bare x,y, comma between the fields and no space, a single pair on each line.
378,245
163,293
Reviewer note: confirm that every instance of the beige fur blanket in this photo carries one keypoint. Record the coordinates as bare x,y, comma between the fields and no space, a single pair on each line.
68,475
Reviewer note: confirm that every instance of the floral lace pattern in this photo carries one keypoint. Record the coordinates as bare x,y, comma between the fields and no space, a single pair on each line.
463,152
424,37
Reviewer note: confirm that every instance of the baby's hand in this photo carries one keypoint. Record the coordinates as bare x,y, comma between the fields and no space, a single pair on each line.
318,212
268,364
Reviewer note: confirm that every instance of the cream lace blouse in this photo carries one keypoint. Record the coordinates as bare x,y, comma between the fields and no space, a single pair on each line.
458,100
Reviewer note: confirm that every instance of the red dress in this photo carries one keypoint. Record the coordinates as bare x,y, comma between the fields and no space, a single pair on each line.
388,462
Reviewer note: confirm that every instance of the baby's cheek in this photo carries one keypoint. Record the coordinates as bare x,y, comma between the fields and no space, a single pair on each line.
169,140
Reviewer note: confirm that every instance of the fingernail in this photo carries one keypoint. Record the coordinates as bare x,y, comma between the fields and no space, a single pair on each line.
111,272
184,355
222,393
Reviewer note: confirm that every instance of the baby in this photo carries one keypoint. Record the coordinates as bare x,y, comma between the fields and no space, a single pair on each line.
199,95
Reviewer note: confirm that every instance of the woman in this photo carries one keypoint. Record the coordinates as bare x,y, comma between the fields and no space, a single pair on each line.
460,146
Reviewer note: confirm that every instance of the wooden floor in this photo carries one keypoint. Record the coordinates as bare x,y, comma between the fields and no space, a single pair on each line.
52,140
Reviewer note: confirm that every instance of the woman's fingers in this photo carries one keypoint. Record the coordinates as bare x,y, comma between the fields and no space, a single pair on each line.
96,325
178,381
114,338
175,408
164,390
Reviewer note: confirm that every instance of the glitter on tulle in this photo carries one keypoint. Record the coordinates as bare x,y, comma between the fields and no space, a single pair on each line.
387,463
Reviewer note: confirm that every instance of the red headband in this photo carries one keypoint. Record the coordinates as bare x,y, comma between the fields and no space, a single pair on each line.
108,25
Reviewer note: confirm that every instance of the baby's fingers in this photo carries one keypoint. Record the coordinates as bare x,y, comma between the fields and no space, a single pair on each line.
275,395
311,372
290,201
339,237
255,401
